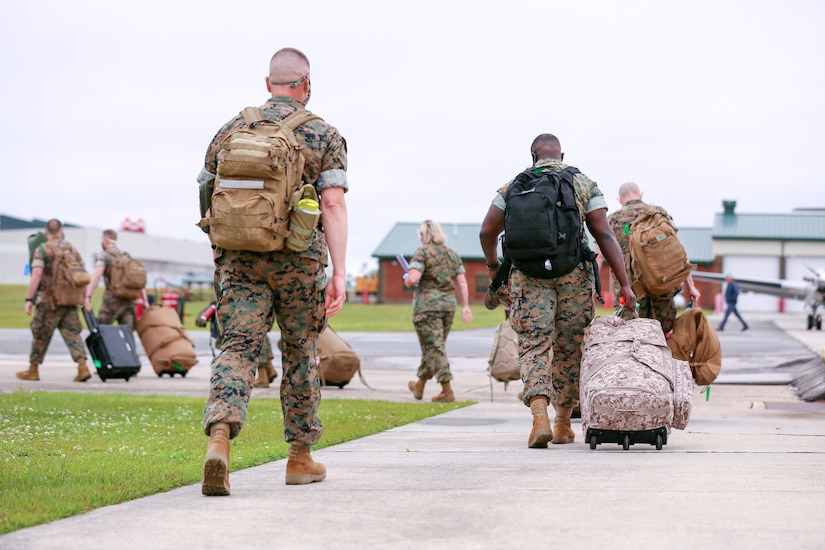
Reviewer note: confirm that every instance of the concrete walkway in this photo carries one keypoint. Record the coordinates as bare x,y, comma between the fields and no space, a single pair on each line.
748,472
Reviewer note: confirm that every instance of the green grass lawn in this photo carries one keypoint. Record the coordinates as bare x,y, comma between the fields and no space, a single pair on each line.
63,453
354,317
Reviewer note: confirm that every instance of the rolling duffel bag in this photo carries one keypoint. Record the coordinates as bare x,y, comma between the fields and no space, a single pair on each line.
165,341
632,389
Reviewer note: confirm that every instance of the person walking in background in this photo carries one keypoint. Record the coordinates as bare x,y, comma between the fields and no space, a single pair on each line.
48,314
551,315
285,286
661,308
435,271
112,308
731,298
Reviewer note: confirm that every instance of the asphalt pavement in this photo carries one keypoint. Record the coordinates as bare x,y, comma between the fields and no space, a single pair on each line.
747,472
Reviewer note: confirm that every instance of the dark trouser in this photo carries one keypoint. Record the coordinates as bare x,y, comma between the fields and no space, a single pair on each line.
732,309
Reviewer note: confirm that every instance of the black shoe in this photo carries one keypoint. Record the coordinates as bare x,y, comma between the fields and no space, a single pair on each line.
746,327
720,329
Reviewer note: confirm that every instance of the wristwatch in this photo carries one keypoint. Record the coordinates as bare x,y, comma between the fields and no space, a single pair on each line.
29,300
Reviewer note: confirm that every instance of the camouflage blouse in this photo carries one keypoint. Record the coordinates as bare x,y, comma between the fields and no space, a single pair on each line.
439,266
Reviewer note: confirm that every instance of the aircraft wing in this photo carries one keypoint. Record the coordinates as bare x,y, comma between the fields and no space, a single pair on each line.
782,288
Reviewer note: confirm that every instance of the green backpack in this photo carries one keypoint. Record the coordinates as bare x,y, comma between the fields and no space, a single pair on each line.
35,240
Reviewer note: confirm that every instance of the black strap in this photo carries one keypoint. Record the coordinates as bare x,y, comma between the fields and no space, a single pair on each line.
501,276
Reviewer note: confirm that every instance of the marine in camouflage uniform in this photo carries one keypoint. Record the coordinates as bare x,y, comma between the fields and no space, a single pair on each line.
434,307
551,316
661,308
255,289
47,316
434,270
112,308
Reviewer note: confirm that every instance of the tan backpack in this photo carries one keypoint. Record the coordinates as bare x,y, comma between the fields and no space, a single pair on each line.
259,170
503,363
127,277
337,361
66,279
658,261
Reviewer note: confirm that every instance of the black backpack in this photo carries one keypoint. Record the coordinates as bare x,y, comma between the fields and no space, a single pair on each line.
542,224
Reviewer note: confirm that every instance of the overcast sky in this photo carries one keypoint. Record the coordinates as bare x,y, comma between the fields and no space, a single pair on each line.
108,107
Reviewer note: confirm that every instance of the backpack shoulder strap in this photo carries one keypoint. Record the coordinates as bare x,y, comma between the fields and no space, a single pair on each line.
298,118
251,115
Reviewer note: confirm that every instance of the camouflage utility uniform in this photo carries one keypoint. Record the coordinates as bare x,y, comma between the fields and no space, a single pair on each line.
650,307
434,307
257,288
550,316
113,308
47,317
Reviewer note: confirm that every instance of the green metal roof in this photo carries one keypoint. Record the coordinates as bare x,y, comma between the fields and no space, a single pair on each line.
403,239
9,222
796,226
698,244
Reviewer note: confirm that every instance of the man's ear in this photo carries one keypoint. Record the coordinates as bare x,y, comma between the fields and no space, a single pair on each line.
268,86
562,156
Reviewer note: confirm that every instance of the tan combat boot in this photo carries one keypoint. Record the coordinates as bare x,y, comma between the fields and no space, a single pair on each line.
417,387
215,480
83,373
262,380
30,374
446,395
542,432
562,431
301,469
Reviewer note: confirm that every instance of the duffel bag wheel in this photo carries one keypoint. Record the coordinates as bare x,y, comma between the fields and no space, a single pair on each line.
160,374
659,442
593,441
626,442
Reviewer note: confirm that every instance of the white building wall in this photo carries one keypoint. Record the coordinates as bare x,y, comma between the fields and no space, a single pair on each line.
164,258
761,260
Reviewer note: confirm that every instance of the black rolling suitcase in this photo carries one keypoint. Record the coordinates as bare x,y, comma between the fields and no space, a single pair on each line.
113,349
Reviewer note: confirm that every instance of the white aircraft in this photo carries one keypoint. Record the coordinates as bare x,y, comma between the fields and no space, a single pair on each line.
811,289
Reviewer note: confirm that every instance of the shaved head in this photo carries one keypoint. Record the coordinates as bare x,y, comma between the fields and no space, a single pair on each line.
53,227
545,146
287,65
629,192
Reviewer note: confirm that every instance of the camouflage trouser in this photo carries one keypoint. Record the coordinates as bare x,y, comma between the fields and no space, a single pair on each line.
266,352
550,317
255,289
432,328
44,322
660,308
114,309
